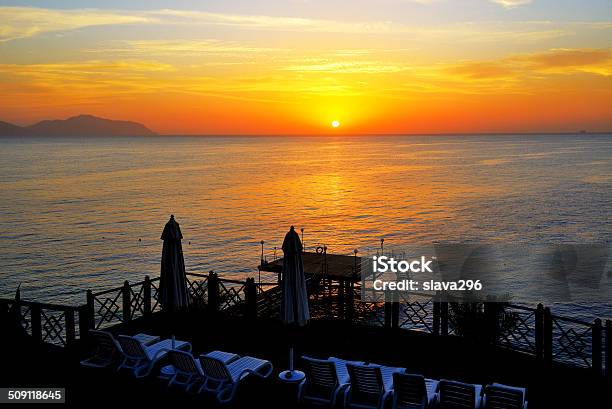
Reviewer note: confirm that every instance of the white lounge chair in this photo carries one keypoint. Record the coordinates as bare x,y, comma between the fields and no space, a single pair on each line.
411,391
223,380
324,381
367,388
499,396
140,359
341,366
453,394
106,350
185,371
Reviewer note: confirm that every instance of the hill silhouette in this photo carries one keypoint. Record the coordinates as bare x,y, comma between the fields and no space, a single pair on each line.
7,129
81,125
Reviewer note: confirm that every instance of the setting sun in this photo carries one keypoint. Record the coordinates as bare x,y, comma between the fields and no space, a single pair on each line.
335,124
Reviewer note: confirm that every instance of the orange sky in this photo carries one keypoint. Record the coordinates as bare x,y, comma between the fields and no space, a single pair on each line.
293,71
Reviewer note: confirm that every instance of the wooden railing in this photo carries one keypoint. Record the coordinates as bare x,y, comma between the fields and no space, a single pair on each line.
535,331
50,323
122,304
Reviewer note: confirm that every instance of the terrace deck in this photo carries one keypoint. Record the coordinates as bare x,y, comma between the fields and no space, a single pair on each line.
332,266
558,386
242,317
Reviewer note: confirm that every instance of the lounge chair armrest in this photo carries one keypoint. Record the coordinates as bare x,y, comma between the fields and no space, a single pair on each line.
340,389
248,371
436,400
160,353
300,392
347,396
267,366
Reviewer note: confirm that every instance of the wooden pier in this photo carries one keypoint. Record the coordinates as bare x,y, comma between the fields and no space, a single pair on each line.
336,267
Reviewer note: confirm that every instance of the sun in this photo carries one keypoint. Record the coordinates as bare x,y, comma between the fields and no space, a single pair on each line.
335,124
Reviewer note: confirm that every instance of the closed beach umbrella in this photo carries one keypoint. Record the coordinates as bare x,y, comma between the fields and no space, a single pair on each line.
294,304
173,282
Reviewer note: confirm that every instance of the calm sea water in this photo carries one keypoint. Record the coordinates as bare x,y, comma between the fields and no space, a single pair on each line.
79,214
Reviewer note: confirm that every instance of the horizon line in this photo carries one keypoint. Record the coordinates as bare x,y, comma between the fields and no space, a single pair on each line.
382,134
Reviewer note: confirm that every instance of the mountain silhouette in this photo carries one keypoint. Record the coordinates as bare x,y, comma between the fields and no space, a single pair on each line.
7,129
81,125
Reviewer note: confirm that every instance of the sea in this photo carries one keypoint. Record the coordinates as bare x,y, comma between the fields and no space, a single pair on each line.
87,213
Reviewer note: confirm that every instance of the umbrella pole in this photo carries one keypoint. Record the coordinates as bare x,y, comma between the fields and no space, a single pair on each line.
291,359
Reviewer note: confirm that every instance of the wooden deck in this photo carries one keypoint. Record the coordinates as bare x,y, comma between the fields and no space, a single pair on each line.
332,266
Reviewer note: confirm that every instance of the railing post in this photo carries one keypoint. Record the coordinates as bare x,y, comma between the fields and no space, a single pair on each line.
70,330
250,295
596,348
444,318
396,310
539,332
341,309
90,312
608,347
213,292
436,315
548,336
490,311
84,322
127,304
388,310
146,293
350,302
35,322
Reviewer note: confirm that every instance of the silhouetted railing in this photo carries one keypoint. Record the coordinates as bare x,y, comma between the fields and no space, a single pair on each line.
535,331
123,304
50,323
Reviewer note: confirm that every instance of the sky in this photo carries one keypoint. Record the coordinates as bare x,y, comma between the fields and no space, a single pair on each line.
294,66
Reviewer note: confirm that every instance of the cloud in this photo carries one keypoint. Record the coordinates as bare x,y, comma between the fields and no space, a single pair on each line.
186,48
23,22
556,61
568,60
567,57
348,67
91,68
84,78
276,23
424,2
482,70
510,4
